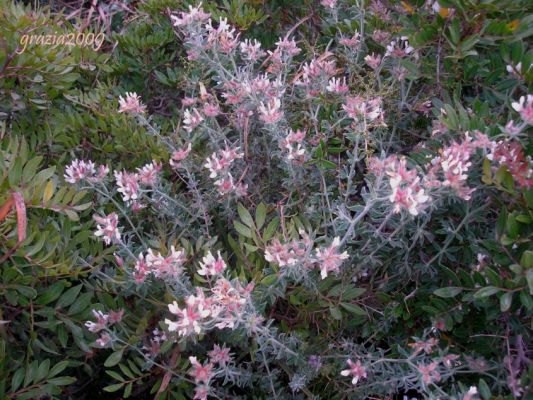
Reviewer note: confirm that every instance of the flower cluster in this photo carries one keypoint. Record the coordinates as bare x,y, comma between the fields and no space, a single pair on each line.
129,183
131,104
356,370
103,321
316,74
179,155
159,266
219,358
211,266
107,228
219,167
511,155
327,259
405,183
399,48
223,307
524,106
361,109
80,170
292,143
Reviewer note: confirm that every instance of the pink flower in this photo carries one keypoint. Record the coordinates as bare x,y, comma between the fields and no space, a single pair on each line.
148,173
211,266
448,359
329,3
281,254
188,101
317,70
399,48
425,346
115,316
80,170
200,373
251,50
524,107
399,73
430,373
356,370
171,265
219,163
336,85
107,227
195,14
407,193
201,392
192,119
472,394
101,322
225,185
380,37
190,317
223,36
220,355
511,129
288,46
131,104
511,154
271,113
211,110
293,144
357,107
373,61
329,259
128,185
350,42
180,155
103,340
141,269
515,71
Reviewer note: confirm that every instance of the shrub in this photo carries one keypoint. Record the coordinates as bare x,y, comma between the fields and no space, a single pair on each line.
350,218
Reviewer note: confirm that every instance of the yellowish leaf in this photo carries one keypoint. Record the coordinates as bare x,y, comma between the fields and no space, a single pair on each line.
48,191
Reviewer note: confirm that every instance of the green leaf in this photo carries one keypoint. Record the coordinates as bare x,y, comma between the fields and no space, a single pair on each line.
42,371
18,376
526,260
271,229
127,391
58,368
115,375
51,294
448,292
114,388
529,277
245,216
243,230
527,300
484,389
15,172
62,380
260,215
353,308
269,279
26,291
353,292
335,313
68,297
327,164
114,358
505,301
486,292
